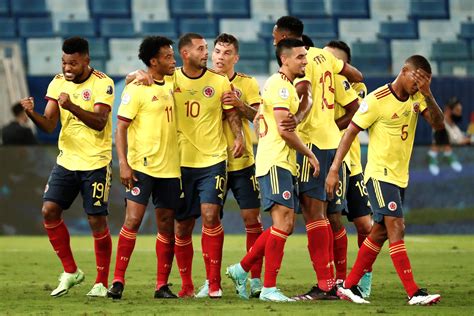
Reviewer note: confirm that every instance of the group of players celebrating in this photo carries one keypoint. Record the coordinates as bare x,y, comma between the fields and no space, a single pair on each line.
183,137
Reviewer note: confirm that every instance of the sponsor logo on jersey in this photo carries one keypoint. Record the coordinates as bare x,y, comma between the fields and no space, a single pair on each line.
395,116
154,98
286,195
177,90
392,206
135,191
208,91
284,93
86,94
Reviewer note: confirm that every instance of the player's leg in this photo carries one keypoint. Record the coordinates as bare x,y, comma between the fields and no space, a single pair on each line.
211,187
60,191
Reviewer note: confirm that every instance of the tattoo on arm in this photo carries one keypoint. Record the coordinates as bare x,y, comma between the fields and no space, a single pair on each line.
435,113
248,112
235,123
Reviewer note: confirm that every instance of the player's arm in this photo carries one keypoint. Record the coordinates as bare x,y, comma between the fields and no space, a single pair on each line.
351,73
433,113
235,124
344,120
141,75
46,122
231,98
303,88
127,176
95,120
292,140
332,180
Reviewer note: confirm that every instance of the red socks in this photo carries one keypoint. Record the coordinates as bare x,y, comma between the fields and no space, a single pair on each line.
103,253
164,255
318,246
273,256
340,253
401,262
365,259
253,232
59,239
331,247
257,251
183,250
213,242
360,239
126,243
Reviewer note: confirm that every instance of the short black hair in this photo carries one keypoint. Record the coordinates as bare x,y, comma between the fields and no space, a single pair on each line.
228,39
342,46
187,39
290,24
151,46
17,109
286,44
76,44
308,42
419,62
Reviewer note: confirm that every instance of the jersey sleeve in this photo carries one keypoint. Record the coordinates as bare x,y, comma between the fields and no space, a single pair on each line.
423,105
53,90
337,64
279,96
226,87
344,93
367,114
130,103
104,92
253,92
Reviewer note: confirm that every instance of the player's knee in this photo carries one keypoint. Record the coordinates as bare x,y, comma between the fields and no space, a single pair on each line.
133,222
363,226
250,217
183,230
210,218
50,212
335,221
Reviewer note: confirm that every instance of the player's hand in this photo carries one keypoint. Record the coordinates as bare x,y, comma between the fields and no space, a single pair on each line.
289,123
231,98
239,147
64,101
314,162
144,77
28,104
423,81
332,183
127,176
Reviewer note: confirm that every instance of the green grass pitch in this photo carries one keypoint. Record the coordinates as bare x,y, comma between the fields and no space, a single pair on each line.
29,271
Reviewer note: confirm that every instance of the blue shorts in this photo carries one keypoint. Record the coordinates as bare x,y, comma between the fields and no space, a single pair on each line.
201,185
385,198
165,192
64,185
357,198
339,203
279,186
309,185
245,187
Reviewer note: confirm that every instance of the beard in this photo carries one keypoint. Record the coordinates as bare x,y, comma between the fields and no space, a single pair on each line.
301,75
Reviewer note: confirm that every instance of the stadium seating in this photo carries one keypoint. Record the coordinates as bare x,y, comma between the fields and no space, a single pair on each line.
149,10
266,30
7,28
467,30
28,8
35,27
162,28
117,28
110,8
230,8
442,51
44,56
358,30
4,8
253,50
438,29
243,29
268,10
98,48
457,68
350,9
398,30
372,58
77,28
308,8
381,10
188,8
429,9
320,28
252,66
206,27
461,9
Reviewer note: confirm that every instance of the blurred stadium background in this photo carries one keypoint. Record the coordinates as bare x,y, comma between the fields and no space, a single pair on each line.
381,33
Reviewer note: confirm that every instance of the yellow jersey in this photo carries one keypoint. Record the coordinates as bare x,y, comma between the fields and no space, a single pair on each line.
392,124
354,151
152,137
199,113
344,95
319,127
278,94
81,147
247,90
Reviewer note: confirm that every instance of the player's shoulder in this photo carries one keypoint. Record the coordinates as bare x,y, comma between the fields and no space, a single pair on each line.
212,72
342,80
59,78
360,88
243,76
99,74
381,92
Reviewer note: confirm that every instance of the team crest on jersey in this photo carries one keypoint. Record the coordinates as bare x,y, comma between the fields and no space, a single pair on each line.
392,206
284,93
363,107
416,107
286,195
208,91
86,94
239,93
346,85
126,99
361,94
135,191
